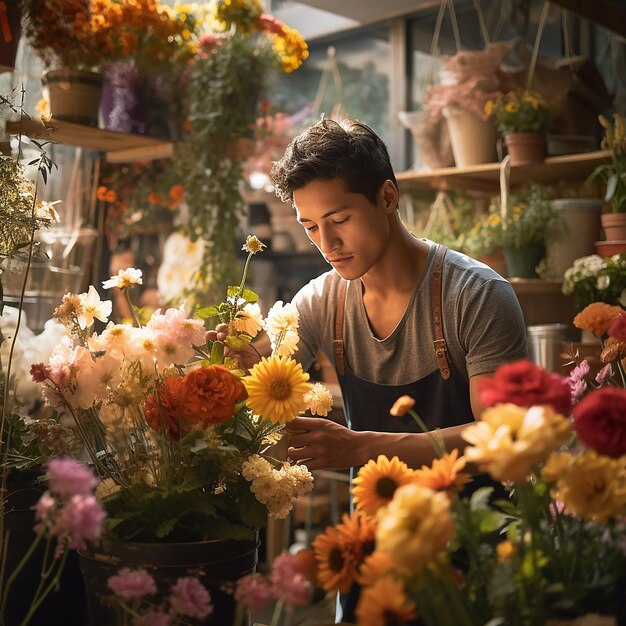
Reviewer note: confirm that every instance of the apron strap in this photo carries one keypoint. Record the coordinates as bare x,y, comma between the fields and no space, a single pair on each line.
338,340
440,342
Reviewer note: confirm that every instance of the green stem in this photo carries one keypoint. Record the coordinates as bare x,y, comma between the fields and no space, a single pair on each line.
240,614
131,306
244,276
278,609
436,442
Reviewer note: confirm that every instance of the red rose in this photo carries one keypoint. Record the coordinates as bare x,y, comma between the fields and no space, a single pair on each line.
210,394
525,384
163,408
600,421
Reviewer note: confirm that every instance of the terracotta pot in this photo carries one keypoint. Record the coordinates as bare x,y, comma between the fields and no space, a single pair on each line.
614,226
609,248
74,95
525,148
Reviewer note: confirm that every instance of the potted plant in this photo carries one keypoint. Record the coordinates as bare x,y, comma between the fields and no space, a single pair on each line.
522,116
71,43
614,174
522,229
178,433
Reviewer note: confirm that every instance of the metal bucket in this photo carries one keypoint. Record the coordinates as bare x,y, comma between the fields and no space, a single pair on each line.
544,344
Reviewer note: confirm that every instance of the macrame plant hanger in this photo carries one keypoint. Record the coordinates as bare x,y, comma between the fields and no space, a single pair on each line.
331,69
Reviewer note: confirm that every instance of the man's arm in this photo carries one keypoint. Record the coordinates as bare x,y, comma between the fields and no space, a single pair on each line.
323,444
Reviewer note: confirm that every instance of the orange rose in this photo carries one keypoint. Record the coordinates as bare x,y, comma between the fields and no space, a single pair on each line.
597,317
101,194
163,408
210,394
154,198
176,193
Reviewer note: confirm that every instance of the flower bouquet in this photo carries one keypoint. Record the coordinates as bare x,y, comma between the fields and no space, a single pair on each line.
552,550
179,434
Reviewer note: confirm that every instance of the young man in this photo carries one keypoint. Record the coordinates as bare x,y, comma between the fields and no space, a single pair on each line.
397,315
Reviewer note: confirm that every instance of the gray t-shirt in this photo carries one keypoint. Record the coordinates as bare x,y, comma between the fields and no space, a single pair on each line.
482,320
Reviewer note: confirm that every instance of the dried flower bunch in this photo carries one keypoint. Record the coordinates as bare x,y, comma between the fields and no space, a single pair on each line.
178,432
420,548
596,279
519,111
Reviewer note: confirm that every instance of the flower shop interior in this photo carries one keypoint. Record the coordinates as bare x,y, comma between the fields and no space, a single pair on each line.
144,251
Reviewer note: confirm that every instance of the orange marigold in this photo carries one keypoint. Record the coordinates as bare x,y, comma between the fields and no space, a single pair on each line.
597,317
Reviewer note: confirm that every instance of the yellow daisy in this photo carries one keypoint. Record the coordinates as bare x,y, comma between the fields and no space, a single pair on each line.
276,388
383,603
377,481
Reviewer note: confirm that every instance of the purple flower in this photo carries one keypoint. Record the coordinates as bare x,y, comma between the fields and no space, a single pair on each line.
605,373
132,583
67,477
44,507
577,388
189,597
254,591
152,618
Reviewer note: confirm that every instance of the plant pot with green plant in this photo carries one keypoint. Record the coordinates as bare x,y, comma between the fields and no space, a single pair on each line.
522,117
614,174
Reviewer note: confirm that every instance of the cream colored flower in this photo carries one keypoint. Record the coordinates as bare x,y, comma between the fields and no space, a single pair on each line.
282,324
253,244
93,308
319,400
510,441
415,527
249,320
125,279
106,488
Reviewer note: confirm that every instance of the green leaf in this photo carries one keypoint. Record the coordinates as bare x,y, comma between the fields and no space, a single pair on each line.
611,186
206,312
252,512
490,521
217,353
480,499
166,527
249,295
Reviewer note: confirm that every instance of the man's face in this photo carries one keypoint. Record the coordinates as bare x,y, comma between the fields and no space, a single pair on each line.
349,231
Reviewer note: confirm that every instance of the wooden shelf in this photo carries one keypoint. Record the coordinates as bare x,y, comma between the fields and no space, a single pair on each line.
119,147
525,286
486,176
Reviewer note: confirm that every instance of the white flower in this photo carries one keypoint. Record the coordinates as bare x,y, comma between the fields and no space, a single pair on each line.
602,282
249,320
124,279
93,308
319,400
281,326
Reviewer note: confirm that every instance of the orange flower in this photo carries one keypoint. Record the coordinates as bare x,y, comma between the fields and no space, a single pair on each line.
383,603
377,481
111,196
101,194
374,566
305,563
176,193
163,408
402,405
613,349
597,317
444,473
358,534
210,394
336,569
154,198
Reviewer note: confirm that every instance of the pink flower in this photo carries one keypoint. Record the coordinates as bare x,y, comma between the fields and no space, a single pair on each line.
295,591
67,477
579,372
152,618
254,591
79,521
189,597
605,373
618,327
577,389
132,583
44,507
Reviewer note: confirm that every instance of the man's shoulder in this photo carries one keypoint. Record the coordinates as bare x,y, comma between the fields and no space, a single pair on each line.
318,289
464,272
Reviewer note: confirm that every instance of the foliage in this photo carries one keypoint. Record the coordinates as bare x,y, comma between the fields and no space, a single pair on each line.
529,219
177,432
519,111
596,279
551,549
614,172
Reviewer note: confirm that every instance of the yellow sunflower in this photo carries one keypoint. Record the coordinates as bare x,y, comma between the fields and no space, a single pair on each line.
276,388
377,481
335,565
444,473
384,603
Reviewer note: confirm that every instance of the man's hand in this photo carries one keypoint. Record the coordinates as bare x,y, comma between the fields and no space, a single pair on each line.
323,444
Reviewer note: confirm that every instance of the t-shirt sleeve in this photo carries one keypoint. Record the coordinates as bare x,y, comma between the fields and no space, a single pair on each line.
492,327
307,301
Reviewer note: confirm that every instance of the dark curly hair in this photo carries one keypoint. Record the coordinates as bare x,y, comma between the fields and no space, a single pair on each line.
349,150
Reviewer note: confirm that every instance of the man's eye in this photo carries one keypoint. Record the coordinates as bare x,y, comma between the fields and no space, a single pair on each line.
345,219
311,228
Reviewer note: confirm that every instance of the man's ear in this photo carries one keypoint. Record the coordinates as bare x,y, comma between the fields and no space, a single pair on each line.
389,196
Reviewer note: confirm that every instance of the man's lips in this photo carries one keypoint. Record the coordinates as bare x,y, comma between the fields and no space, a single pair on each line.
339,259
